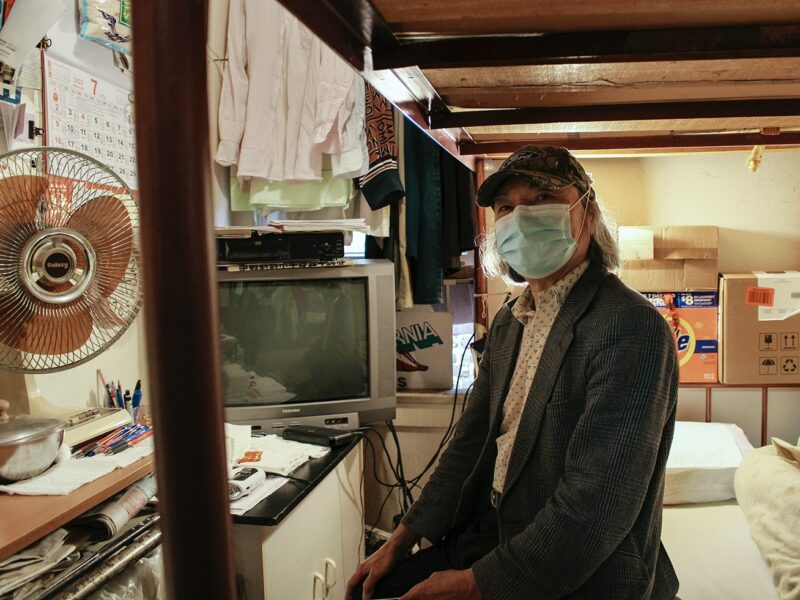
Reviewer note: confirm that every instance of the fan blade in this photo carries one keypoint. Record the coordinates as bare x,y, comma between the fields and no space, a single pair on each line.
19,200
104,316
55,331
14,312
105,222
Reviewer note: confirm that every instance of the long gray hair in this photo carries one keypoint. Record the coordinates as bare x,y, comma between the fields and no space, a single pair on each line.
603,248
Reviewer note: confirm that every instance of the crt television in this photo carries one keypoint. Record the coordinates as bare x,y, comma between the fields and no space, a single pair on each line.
309,346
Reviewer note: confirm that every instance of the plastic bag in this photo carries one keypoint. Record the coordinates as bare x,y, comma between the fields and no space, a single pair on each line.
107,22
143,580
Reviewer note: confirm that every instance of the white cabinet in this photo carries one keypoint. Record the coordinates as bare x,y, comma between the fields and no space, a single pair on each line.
312,552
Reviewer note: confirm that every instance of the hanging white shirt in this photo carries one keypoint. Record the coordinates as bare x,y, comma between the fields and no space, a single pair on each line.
286,98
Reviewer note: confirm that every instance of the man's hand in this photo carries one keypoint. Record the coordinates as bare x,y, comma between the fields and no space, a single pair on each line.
446,585
380,564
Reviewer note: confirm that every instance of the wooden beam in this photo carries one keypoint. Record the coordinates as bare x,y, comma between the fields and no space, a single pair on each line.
620,112
350,27
183,353
636,142
474,17
711,43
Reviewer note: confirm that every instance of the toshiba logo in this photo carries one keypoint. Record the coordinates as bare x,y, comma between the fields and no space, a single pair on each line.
287,411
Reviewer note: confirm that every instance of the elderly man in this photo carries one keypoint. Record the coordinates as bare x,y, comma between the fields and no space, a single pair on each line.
552,485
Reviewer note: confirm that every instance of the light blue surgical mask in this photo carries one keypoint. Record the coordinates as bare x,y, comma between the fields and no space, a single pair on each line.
536,241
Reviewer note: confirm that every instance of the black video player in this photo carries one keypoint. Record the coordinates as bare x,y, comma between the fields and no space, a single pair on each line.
281,247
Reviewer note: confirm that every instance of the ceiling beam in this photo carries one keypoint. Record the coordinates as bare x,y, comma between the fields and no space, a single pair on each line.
710,43
349,27
620,112
637,142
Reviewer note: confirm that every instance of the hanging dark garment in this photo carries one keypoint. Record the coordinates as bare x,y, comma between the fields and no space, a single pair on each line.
423,214
459,228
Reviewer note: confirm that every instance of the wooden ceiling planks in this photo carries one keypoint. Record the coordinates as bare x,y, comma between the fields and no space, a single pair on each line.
784,69
647,45
569,85
477,17
650,142
501,132
610,93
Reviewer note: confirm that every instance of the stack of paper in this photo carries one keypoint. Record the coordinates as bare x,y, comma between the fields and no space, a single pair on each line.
35,560
321,225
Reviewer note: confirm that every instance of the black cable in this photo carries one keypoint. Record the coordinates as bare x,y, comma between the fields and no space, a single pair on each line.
380,513
408,498
451,425
397,468
375,462
361,431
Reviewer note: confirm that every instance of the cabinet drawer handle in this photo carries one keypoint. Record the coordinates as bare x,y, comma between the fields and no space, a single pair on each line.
330,573
323,592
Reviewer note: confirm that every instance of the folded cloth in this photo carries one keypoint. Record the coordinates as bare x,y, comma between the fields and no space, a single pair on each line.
68,474
282,456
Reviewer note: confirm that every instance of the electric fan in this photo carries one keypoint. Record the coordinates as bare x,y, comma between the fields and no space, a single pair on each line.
69,276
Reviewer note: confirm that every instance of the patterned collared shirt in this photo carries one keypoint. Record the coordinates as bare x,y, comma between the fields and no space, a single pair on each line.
537,321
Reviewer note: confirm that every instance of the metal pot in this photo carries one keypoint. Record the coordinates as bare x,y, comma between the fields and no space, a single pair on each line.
28,445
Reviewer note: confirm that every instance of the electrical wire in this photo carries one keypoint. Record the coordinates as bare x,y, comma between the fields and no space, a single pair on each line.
451,425
407,485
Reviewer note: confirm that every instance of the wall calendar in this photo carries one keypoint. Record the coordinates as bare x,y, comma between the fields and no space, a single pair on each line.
92,116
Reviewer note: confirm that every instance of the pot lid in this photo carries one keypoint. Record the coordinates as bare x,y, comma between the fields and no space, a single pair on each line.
23,427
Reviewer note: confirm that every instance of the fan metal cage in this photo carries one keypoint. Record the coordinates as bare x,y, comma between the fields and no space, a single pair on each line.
69,259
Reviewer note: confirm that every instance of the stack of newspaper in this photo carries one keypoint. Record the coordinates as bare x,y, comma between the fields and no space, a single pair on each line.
108,518
22,573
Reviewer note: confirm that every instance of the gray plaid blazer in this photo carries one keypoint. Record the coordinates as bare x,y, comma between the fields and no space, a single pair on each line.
580,515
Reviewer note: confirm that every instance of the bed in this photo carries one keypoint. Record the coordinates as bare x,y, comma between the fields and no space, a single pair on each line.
704,530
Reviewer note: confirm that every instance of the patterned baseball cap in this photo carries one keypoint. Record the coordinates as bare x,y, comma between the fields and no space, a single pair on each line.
549,167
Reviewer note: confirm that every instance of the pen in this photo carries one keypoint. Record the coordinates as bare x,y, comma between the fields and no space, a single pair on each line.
130,444
120,436
127,440
91,448
137,399
127,400
120,401
124,432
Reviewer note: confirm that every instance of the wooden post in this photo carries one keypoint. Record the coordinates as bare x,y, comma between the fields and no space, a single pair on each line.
180,305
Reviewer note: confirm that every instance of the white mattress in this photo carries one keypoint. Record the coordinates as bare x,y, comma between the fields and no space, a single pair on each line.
713,554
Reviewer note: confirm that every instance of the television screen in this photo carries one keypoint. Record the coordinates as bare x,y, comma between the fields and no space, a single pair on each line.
294,341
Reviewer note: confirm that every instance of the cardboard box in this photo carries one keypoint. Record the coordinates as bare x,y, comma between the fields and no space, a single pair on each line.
697,339
684,259
424,345
760,328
